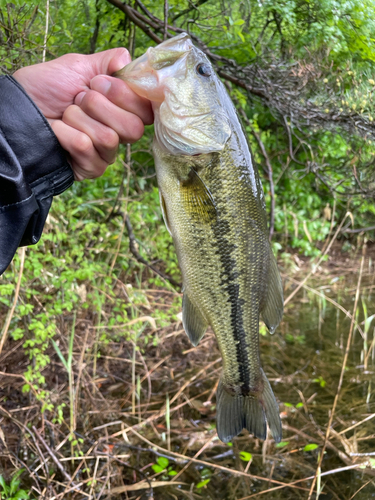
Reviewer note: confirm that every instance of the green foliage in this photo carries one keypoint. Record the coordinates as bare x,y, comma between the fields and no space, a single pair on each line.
203,483
245,456
206,478
12,491
282,444
162,465
310,447
320,380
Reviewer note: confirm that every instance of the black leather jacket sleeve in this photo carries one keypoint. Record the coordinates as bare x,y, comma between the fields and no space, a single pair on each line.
33,169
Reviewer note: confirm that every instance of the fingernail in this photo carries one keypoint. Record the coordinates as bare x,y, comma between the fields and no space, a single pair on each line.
123,58
78,98
100,84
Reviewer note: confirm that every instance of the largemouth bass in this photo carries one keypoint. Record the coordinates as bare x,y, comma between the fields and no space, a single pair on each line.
213,205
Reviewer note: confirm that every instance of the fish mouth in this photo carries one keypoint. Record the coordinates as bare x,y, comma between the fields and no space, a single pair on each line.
157,58
179,43
145,74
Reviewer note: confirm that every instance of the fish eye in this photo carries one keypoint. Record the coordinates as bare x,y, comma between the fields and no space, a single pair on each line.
203,69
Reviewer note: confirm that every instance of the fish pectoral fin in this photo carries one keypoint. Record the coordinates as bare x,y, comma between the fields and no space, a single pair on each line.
274,304
194,323
252,412
164,211
197,199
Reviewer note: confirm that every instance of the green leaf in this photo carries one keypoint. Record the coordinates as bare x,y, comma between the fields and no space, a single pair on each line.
282,444
245,456
310,447
14,484
17,474
202,484
299,405
21,495
320,380
163,462
206,473
4,485
368,322
60,355
172,473
156,468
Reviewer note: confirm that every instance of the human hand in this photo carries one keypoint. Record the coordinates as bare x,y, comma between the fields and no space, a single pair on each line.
89,111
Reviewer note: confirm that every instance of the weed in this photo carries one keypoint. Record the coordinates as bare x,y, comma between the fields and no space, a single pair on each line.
12,491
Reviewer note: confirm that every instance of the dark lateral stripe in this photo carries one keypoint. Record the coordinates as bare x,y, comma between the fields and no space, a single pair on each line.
229,281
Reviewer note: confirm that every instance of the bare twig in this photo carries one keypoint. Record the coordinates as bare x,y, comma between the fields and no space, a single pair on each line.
9,317
165,19
289,298
343,367
52,455
359,230
215,466
46,32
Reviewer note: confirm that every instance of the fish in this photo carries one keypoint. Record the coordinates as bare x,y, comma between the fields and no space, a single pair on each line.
213,205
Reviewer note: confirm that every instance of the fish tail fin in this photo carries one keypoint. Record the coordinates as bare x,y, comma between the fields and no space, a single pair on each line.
253,412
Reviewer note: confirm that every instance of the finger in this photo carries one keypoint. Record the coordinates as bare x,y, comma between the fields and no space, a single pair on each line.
104,139
109,61
120,94
85,160
127,125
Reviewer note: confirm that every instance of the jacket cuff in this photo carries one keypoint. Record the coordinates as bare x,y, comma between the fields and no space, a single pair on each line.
33,169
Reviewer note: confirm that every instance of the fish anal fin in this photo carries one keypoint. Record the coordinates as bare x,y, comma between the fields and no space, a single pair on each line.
251,412
272,311
197,199
194,323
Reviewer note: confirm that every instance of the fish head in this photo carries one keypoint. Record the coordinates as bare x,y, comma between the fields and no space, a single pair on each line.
188,98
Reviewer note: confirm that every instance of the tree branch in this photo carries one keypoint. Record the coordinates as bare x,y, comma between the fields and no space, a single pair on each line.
280,84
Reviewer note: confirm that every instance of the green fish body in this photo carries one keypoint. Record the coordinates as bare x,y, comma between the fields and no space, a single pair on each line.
213,205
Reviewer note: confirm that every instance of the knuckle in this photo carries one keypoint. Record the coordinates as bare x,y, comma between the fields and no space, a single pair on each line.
83,144
110,139
70,113
135,131
92,101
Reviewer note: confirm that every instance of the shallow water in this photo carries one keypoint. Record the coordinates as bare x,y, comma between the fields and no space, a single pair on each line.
312,341
303,361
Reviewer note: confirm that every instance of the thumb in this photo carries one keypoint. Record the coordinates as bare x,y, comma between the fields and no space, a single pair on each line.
109,61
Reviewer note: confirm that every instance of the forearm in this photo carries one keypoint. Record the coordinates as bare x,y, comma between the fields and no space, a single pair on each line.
33,169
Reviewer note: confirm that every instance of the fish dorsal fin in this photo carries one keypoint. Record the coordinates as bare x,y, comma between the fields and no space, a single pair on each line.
197,199
273,308
194,323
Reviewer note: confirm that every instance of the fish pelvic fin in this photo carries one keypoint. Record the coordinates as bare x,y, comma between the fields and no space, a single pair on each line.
193,321
251,412
272,311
